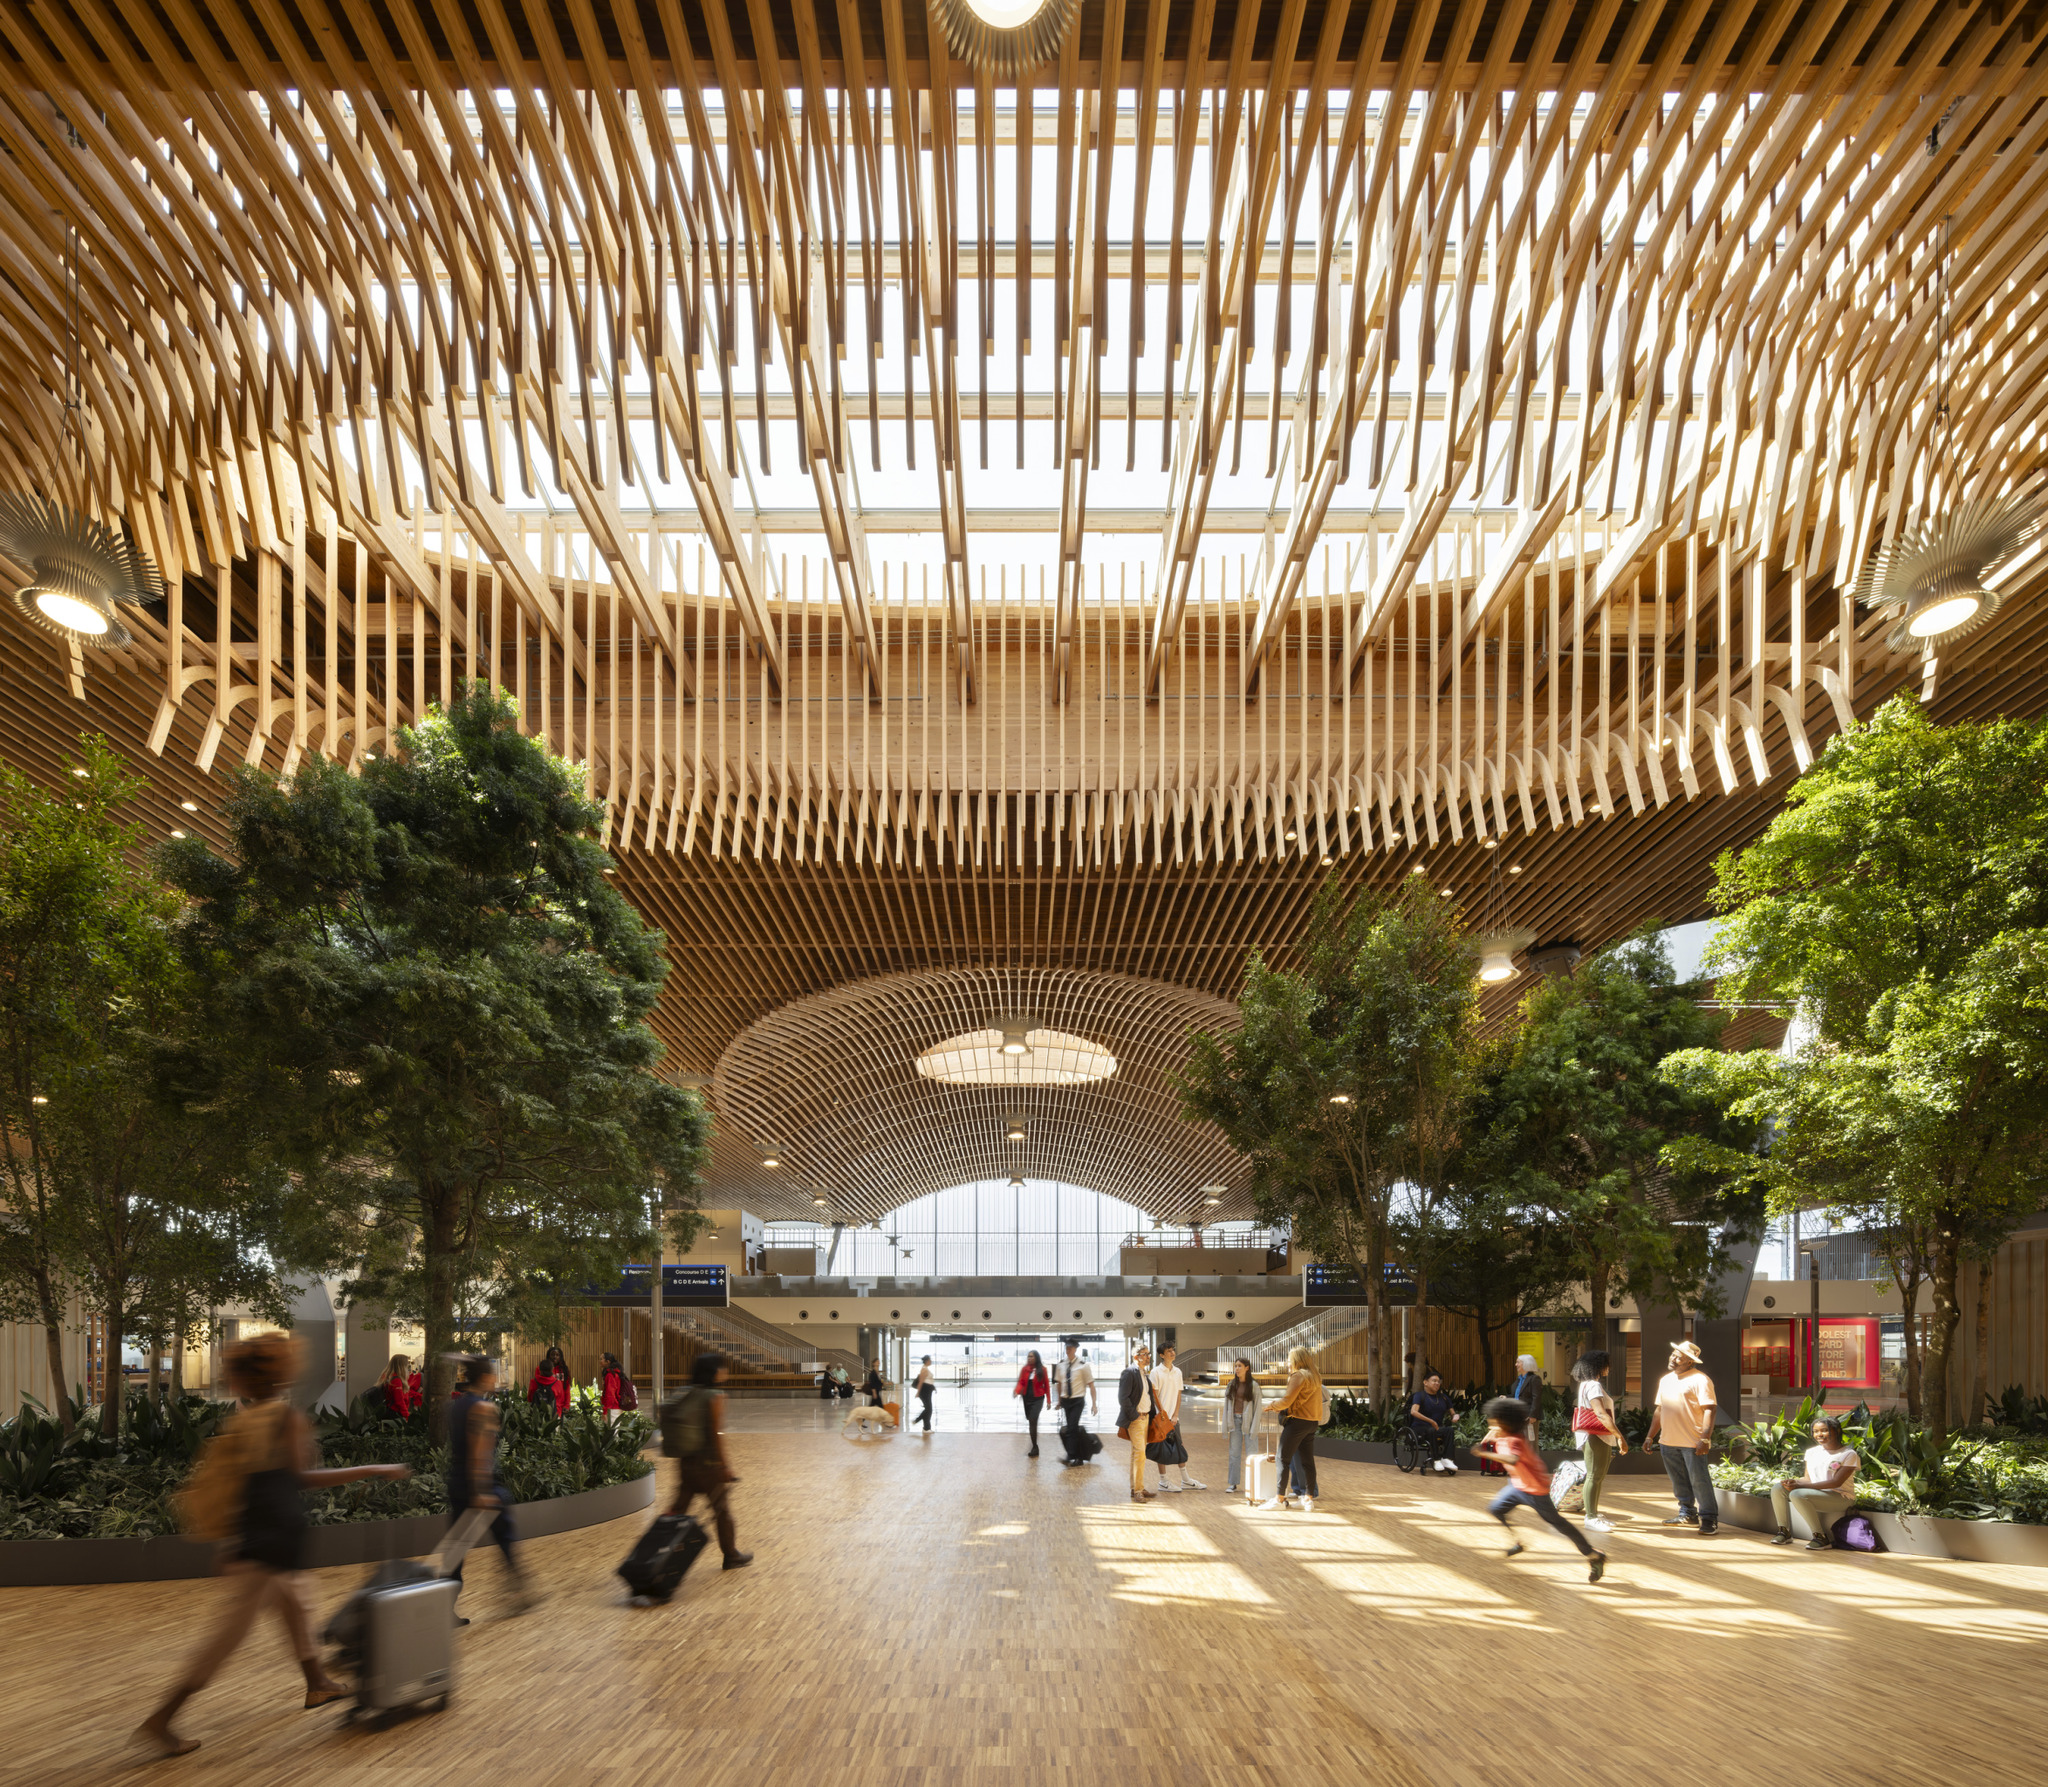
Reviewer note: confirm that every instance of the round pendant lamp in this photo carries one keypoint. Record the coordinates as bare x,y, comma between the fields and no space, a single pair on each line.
1002,38
83,572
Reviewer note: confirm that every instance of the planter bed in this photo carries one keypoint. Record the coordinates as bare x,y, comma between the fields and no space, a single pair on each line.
51,1563
1636,1464
1918,1535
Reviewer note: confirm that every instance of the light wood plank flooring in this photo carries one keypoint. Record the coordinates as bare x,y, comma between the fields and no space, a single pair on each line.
946,1611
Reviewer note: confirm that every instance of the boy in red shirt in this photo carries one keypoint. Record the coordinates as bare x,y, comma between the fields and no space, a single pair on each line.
1507,1423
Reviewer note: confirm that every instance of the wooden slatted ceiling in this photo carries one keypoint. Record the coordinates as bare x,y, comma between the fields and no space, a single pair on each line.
1566,360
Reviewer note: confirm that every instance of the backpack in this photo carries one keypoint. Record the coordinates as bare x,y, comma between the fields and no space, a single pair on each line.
1853,1532
686,1423
629,1398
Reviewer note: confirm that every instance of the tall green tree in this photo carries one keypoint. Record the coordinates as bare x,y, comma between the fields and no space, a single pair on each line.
1340,1082
1902,899
425,976
1640,1184
78,913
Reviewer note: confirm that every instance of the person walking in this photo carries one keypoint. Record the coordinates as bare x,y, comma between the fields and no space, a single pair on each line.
693,1434
1825,1494
1134,1416
615,1392
1301,1413
549,1386
1242,1403
1599,1435
474,1433
923,1387
875,1386
1035,1387
1682,1431
1528,1390
1167,1384
247,1491
1507,1444
1074,1383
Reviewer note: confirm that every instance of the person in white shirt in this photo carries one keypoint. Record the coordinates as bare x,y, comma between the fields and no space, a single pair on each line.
1166,1389
1073,1381
1682,1432
1829,1489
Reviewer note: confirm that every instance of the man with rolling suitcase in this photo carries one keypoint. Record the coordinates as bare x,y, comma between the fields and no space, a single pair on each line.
693,1434
473,1479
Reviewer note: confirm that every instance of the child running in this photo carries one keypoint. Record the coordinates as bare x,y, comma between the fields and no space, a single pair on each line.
1507,1424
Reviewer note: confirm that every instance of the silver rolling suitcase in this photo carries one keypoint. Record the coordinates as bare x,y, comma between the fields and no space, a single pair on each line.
404,1629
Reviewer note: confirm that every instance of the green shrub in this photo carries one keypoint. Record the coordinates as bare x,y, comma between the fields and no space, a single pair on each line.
90,1487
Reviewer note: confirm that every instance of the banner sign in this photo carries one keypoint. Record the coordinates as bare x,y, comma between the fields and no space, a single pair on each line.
1324,1287
682,1287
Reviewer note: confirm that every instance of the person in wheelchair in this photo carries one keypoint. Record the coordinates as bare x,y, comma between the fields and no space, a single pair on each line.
1432,1424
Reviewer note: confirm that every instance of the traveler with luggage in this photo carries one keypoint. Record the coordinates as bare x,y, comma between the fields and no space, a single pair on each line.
615,1392
1034,1387
1301,1415
474,1432
876,1386
247,1491
1242,1403
693,1434
1134,1416
1171,1452
1072,1382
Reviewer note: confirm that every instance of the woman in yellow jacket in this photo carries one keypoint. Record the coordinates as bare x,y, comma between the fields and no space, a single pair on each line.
1300,1409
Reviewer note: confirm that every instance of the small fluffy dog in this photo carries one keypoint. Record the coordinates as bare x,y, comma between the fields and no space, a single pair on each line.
862,1422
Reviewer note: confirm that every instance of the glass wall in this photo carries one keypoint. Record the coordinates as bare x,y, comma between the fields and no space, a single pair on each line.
990,1229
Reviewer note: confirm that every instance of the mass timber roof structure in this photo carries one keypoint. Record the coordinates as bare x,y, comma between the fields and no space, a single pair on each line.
1046,526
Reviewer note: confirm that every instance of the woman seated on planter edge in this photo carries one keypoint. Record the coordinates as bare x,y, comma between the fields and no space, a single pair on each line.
1828,1492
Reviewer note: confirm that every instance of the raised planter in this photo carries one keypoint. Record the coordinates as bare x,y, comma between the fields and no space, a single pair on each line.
63,1563
1918,1535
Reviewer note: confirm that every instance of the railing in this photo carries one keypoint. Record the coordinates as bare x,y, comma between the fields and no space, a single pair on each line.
1270,1342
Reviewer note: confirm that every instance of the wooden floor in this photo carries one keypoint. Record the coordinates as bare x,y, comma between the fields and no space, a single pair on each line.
945,1611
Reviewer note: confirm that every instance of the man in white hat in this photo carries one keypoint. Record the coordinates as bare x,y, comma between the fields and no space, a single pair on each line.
1682,1433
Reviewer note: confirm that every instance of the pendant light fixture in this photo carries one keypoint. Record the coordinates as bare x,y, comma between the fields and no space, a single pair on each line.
82,571
1498,944
1002,38
1938,576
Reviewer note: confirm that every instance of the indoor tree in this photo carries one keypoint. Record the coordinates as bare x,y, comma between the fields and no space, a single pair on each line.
1639,1183
1338,1083
426,977
1901,898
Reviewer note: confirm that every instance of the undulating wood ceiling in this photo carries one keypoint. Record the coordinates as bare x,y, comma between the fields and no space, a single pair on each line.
1046,527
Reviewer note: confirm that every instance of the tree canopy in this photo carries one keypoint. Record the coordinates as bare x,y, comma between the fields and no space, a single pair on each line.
426,974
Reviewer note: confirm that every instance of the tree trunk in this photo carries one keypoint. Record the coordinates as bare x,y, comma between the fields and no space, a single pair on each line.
156,1373
117,1382
1418,1334
1485,1349
1948,1318
53,1343
437,1377
178,1363
1980,1378
1596,1300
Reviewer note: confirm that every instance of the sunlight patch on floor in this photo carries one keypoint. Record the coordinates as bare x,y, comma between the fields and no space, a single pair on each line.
1161,1557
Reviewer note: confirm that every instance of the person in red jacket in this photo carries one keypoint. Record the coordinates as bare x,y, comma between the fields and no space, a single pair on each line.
550,1382
1034,1387
400,1387
615,1392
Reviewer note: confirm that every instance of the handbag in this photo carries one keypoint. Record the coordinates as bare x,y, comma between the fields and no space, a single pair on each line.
1162,1425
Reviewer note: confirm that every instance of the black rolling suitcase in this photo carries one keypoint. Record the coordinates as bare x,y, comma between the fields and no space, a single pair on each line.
1079,1444
655,1567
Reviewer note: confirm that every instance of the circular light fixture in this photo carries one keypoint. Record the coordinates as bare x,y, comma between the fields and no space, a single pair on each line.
1937,575
1497,955
1017,1181
1945,606
820,1202
987,1058
1489,843
82,570
1005,37
190,806
80,772
1013,1130
771,1161
1514,868
1328,860
176,833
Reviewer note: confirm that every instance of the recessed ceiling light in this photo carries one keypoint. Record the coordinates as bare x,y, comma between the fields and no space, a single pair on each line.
820,1202
1328,860
190,806
78,772
1290,834
1490,843
1514,868
39,1099
1340,1098
1445,891
176,833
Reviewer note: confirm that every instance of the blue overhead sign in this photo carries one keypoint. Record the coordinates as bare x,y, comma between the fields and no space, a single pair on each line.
681,1287
1327,1286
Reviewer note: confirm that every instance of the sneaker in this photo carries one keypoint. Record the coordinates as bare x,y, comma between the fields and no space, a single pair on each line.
1450,1466
1514,1550
1269,1507
1688,1518
1308,1504
1188,1482
1708,1528
1596,1523
1820,1542
1784,1536
1166,1488
738,1560
1596,1566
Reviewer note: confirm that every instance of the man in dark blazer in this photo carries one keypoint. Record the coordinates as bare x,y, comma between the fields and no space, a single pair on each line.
1134,1415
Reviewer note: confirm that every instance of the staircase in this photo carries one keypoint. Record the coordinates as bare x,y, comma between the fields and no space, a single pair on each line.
754,1345
1271,1341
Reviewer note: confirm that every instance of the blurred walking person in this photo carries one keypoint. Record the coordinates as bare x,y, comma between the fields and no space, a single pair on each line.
247,1491
474,1432
876,1386
693,1434
1507,1444
924,1387
1034,1387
